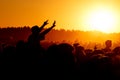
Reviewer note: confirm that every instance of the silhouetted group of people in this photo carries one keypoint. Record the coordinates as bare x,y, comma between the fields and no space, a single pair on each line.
68,60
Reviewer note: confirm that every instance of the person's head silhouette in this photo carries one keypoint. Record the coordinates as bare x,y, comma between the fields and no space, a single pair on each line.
35,29
108,43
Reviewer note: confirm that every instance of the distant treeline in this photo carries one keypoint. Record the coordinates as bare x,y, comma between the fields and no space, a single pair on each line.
12,35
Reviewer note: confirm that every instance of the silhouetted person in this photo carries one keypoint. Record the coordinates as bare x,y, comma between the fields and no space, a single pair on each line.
36,36
116,61
95,47
21,54
35,50
108,44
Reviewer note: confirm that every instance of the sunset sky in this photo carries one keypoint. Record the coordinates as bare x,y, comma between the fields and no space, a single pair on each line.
102,15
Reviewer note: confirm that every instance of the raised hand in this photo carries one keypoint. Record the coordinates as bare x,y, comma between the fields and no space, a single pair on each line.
54,24
46,22
50,28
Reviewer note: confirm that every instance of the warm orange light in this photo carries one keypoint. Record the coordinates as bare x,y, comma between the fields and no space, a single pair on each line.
102,20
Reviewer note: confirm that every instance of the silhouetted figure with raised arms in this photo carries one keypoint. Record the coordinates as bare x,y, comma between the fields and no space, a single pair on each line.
35,50
36,36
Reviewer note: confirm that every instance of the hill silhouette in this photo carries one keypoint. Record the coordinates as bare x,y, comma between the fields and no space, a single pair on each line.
11,35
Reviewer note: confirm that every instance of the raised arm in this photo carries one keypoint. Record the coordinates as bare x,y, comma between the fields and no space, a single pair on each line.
47,30
45,23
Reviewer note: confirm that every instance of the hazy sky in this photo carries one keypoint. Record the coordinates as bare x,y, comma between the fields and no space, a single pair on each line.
69,14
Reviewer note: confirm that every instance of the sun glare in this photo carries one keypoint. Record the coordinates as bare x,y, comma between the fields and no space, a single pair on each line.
102,20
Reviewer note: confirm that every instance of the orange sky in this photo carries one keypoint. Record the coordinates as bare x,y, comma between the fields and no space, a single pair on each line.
69,14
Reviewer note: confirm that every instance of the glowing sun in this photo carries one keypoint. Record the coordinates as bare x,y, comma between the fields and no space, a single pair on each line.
102,20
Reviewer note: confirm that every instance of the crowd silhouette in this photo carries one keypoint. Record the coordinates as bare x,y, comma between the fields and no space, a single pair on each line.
64,58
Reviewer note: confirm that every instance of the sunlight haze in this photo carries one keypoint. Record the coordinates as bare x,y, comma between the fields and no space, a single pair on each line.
85,15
